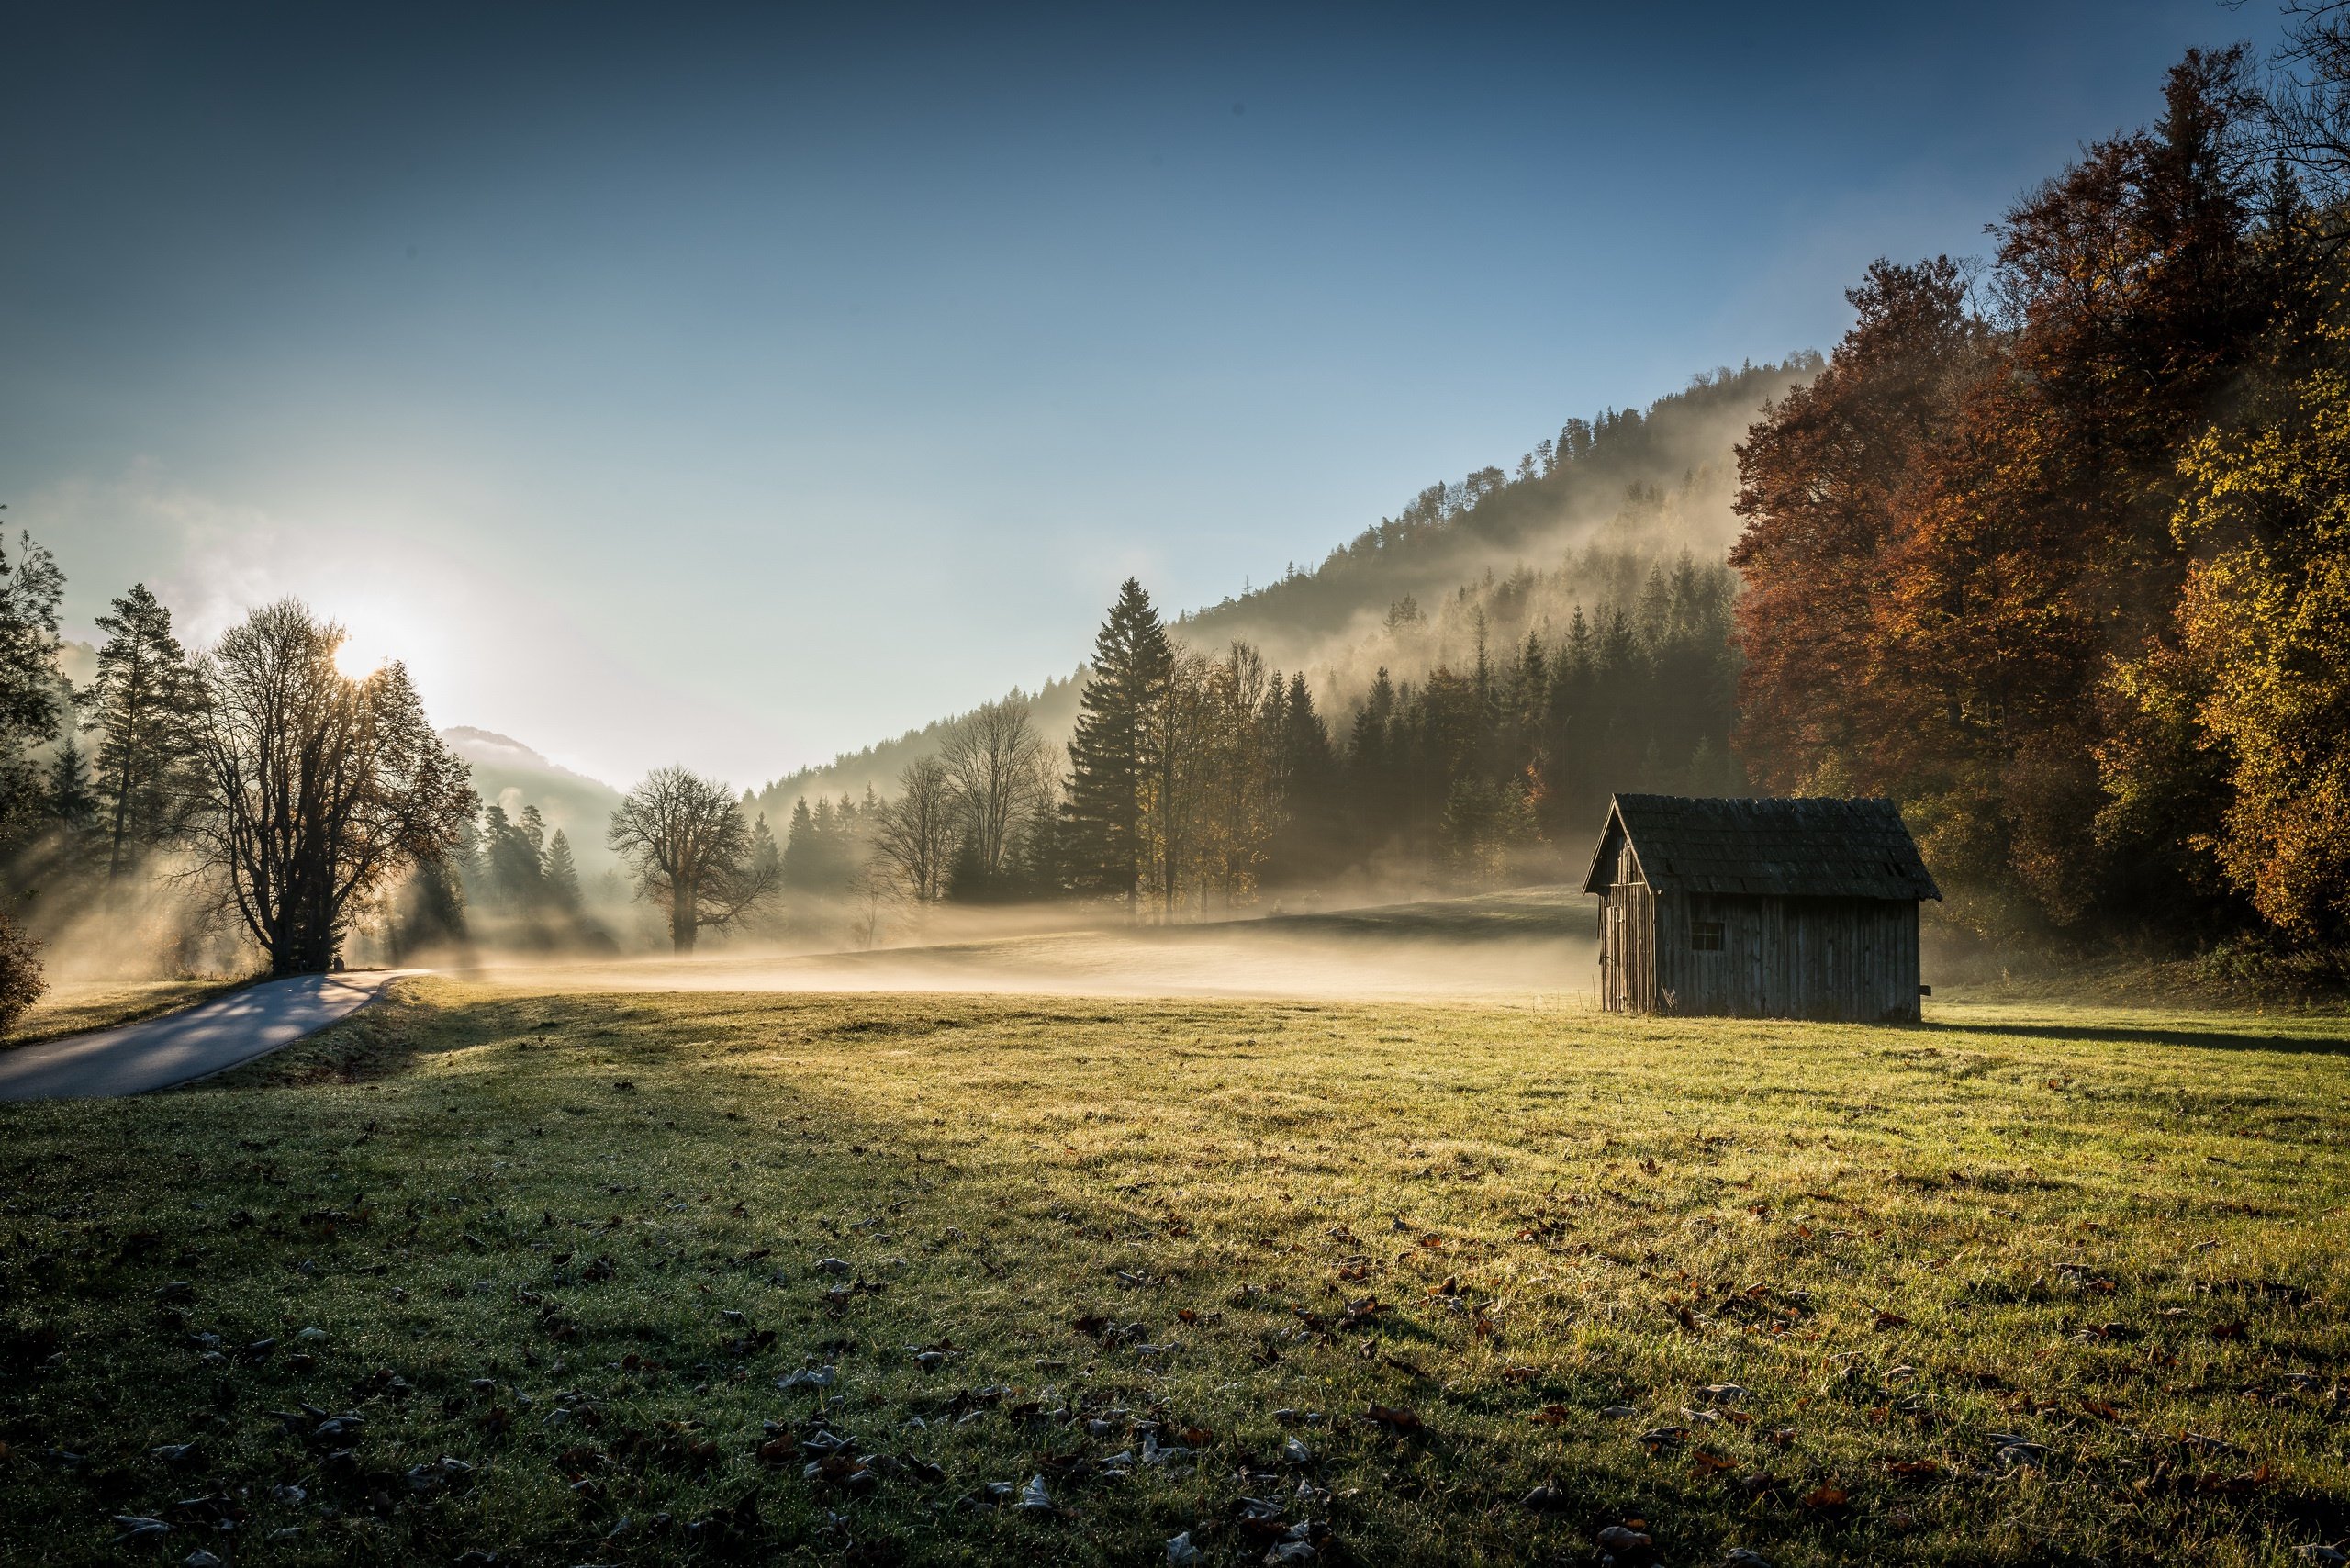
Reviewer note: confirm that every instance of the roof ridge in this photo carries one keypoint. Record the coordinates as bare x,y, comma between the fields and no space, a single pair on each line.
1796,845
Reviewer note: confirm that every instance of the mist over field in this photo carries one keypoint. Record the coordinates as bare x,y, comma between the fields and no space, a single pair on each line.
1533,946
1056,788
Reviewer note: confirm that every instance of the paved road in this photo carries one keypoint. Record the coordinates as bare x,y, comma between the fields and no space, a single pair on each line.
196,1042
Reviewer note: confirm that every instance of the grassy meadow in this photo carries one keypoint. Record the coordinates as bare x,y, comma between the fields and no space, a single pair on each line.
567,1278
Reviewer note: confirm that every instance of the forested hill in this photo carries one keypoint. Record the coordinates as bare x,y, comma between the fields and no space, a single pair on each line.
1053,708
1626,480
1580,520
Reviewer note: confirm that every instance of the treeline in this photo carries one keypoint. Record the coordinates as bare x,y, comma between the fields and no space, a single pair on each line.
1198,784
509,883
2054,552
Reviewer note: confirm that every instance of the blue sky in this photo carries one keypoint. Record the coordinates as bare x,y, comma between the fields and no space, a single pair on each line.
736,385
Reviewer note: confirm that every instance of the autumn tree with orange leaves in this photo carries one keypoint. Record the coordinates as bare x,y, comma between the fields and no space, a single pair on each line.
2049,553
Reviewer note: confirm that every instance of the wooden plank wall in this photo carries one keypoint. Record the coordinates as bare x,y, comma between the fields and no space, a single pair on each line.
1854,959
1628,941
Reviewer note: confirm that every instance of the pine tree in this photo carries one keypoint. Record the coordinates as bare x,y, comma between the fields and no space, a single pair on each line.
801,869
29,710
72,805
143,701
1372,754
71,798
515,875
1110,757
1309,799
562,874
766,855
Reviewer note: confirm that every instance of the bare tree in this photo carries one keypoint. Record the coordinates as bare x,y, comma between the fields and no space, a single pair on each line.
915,838
684,839
2309,106
876,892
995,763
316,788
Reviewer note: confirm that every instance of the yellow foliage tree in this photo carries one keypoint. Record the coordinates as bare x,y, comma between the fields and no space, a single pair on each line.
2264,624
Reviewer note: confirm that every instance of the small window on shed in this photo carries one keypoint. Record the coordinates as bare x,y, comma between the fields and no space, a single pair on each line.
1705,935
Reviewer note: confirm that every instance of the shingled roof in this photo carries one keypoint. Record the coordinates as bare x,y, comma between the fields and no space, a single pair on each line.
1804,848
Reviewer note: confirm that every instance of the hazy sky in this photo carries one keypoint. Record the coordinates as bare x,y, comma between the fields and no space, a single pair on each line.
736,385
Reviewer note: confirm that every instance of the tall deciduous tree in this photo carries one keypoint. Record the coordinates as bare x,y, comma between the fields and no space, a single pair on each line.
916,833
995,764
1962,533
317,788
1110,755
142,703
2250,706
684,839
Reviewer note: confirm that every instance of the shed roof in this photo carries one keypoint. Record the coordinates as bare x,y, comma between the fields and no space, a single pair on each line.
1813,847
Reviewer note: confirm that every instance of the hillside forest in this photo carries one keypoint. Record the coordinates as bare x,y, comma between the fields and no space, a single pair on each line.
2050,548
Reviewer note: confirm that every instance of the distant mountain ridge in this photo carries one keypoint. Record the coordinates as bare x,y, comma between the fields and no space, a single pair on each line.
489,749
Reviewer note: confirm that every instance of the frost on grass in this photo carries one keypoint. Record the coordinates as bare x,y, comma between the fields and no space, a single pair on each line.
583,1279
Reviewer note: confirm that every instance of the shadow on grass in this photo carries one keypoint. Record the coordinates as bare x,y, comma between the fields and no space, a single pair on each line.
2192,1039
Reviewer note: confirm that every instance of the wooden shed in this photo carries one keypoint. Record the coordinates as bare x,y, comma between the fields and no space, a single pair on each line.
1759,909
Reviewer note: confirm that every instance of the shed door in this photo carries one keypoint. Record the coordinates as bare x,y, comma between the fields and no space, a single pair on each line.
1612,960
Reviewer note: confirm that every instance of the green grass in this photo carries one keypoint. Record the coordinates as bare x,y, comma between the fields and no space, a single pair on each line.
73,1007
520,1222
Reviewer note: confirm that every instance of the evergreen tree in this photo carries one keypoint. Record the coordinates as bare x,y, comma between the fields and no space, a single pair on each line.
515,876
30,713
562,876
766,855
72,800
800,869
143,703
1110,760
72,805
1304,832
432,912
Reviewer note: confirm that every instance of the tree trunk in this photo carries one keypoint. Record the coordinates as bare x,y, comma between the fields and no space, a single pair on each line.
121,822
685,918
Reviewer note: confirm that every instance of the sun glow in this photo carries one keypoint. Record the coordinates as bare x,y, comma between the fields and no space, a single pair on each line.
357,658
